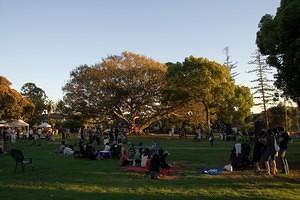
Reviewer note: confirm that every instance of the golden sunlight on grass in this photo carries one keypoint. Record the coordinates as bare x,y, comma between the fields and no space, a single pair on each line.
216,190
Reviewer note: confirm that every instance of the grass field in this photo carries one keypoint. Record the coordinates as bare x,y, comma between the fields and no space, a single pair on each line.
58,177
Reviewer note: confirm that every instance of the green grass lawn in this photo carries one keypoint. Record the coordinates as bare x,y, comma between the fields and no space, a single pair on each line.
58,177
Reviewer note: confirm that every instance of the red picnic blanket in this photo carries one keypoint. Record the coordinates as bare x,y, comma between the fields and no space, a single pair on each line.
163,172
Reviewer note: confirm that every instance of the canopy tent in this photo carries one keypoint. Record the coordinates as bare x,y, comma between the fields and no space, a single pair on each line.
44,125
3,123
18,123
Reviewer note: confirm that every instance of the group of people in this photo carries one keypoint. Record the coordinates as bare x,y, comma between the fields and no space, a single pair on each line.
115,135
269,145
12,134
85,150
151,158
90,143
270,148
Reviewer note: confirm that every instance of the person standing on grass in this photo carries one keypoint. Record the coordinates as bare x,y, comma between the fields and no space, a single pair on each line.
211,138
124,160
269,153
259,126
98,136
145,157
197,134
283,141
63,134
154,167
264,158
131,151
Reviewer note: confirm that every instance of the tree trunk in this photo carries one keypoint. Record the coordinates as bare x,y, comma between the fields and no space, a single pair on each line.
207,114
298,114
148,123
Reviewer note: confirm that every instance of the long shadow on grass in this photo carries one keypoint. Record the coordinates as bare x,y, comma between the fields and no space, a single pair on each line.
46,192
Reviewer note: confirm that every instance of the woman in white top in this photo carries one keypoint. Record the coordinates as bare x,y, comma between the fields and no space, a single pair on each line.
145,156
107,147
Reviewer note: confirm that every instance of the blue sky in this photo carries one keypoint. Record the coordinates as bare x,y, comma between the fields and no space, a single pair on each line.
43,41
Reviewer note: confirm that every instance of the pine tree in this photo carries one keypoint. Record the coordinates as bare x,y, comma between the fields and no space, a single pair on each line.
230,64
263,91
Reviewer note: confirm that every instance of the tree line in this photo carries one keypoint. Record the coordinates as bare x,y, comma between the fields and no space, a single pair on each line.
139,91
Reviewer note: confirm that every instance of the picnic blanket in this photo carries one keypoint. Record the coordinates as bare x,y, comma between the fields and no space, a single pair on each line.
163,172
135,169
167,172
212,171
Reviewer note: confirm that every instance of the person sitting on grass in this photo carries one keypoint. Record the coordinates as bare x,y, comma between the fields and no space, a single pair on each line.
154,147
131,151
61,147
162,159
106,147
124,161
145,156
115,150
154,167
137,159
92,153
82,153
68,150
239,157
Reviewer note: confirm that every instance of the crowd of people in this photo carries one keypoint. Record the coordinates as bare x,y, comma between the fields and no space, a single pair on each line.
95,144
9,135
153,158
269,149
90,143
270,146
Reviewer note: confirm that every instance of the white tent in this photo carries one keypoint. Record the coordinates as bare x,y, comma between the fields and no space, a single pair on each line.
44,125
18,123
3,123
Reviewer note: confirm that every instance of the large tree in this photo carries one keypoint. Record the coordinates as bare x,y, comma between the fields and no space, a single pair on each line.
38,98
12,104
285,116
279,38
128,87
263,90
202,80
241,106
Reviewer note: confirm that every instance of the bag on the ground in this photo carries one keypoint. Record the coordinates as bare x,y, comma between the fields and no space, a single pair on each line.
228,168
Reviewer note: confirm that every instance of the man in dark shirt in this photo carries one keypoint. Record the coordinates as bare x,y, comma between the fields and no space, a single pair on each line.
154,167
283,140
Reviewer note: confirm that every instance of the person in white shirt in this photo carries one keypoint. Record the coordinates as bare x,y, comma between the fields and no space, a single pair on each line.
13,135
145,157
68,151
106,147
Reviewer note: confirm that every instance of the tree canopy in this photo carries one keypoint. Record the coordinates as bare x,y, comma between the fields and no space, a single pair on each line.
208,82
139,91
128,87
12,104
38,98
279,38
